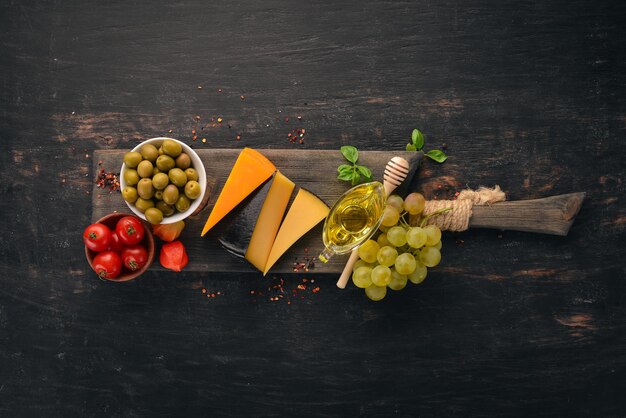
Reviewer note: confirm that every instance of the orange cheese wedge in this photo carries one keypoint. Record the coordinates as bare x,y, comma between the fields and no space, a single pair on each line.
269,219
306,211
250,171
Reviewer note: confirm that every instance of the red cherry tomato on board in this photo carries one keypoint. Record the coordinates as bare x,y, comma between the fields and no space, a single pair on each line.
107,264
134,257
116,244
97,237
130,230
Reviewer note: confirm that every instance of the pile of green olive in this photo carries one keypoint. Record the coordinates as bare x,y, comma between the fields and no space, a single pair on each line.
160,181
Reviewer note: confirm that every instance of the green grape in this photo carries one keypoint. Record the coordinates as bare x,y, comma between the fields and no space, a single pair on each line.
433,235
362,277
430,256
381,275
419,274
437,245
416,237
396,201
368,251
390,216
398,281
386,256
382,239
361,263
396,236
376,293
405,263
414,203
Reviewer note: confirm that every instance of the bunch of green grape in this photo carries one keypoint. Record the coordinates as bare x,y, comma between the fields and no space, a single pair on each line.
401,253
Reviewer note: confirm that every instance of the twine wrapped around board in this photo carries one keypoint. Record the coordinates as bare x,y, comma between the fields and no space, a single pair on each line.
457,219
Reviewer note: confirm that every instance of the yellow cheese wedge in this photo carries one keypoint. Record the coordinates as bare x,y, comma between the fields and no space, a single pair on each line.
250,171
269,219
306,211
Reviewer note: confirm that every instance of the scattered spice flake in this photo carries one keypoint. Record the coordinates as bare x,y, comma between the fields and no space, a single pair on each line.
203,290
296,135
242,97
197,117
219,90
107,179
219,120
316,289
303,265
204,140
276,290
199,87
238,137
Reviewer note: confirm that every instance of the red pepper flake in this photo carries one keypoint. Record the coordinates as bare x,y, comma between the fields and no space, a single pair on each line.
302,286
197,117
219,90
286,119
238,137
242,97
203,291
193,131
107,179
316,289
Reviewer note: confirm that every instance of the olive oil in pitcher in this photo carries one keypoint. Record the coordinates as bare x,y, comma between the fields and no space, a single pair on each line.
353,219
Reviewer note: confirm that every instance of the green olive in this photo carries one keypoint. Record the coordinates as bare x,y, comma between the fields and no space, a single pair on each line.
170,194
129,194
149,152
183,203
132,159
155,171
165,208
183,161
192,175
131,177
160,181
144,169
177,177
172,148
192,189
165,163
161,150
154,216
158,195
142,204
145,189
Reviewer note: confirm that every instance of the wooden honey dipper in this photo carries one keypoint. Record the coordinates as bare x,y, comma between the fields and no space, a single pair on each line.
396,171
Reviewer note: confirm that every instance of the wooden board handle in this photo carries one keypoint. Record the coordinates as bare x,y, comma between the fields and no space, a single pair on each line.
550,215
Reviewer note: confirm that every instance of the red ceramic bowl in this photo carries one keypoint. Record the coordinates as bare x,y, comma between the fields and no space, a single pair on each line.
147,242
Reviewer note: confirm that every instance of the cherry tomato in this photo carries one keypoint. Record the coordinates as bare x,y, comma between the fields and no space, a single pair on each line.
97,237
107,264
116,244
134,257
130,230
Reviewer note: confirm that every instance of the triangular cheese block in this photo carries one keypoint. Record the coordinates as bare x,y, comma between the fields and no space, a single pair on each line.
306,211
237,235
270,217
250,171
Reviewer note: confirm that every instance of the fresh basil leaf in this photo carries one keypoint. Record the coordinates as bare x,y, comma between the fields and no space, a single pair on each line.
411,147
367,173
437,155
345,168
350,153
418,139
346,175
355,178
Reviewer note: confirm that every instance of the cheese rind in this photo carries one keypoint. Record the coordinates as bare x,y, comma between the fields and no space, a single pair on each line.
268,222
250,171
306,211
236,237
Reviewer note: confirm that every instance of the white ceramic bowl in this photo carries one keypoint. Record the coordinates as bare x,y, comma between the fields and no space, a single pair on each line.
196,163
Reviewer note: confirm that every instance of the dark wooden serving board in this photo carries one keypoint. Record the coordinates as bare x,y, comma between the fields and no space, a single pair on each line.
312,169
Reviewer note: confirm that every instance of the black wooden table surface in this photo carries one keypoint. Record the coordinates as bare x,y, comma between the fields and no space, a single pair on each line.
527,95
